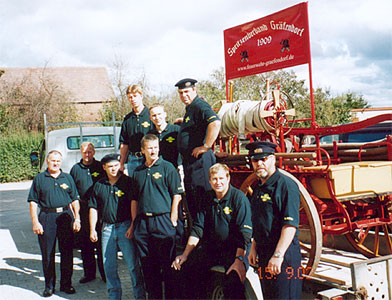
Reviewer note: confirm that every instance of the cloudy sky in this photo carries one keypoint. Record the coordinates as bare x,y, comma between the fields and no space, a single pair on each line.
165,40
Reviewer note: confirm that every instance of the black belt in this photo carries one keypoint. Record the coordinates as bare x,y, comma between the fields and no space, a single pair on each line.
55,209
137,154
153,214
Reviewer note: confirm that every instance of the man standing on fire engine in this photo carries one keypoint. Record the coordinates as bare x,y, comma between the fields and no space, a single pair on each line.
199,130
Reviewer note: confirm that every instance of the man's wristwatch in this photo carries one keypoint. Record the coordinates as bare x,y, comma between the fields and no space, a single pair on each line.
240,258
206,146
277,254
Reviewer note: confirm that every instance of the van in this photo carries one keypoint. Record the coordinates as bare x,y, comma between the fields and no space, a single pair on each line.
68,140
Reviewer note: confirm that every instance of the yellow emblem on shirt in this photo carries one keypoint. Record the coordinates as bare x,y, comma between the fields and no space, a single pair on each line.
95,174
156,175
187,119
212,117
248,227
145,124
119,193
64,186
227,210
288,219
265,197
170,139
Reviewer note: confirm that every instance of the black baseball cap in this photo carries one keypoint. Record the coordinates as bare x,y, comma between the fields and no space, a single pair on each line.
261,149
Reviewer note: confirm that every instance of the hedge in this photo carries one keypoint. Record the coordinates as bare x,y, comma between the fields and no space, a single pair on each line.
15,152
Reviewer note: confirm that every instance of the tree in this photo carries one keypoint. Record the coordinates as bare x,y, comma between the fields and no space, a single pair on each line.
328,110
29,98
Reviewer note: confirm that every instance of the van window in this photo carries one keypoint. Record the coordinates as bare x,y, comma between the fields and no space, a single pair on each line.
99,141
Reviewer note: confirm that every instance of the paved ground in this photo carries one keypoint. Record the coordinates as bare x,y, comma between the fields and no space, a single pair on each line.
21,274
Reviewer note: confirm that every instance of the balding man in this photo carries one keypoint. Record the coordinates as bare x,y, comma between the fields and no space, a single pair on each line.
55,193
85,174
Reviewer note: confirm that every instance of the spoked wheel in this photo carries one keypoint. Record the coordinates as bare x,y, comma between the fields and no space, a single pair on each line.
370,240
313,251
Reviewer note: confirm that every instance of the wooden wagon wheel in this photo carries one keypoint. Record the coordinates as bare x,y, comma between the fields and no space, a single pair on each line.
314,250
368,239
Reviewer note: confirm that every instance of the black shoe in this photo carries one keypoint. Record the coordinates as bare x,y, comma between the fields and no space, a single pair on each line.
86,279
48,292
68,289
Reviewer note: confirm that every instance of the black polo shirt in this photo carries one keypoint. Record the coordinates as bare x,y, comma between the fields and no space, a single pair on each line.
155,187
50,192
134,127
225,223
113,202
86,176
193,129
274,204
168,143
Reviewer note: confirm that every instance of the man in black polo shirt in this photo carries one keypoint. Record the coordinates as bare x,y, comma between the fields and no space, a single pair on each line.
55,193
155,212
275,216
135,125
199,130
111,202
167,134
222,230
85,174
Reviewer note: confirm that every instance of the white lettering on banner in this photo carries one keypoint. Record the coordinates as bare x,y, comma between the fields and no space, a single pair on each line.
264,41
249,35
287,27
267,63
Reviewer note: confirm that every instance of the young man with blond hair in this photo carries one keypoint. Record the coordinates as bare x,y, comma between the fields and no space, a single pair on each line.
136,124
222,229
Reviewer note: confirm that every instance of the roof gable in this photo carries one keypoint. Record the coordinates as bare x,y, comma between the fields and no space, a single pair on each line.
86,84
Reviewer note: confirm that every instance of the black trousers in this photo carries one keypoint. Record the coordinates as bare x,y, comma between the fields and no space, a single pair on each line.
286,285
155,239
196,179
195,279
87,247
56,226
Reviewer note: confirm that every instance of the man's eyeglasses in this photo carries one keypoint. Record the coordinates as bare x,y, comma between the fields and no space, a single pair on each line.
264,159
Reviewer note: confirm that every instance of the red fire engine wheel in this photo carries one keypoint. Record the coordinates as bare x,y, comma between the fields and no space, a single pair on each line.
313,225
374,240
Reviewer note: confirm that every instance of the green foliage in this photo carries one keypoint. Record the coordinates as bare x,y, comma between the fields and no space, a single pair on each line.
329,110
27,99
15,152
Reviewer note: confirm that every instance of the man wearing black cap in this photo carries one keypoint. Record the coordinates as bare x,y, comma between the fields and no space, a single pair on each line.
111,201
199,130
275,218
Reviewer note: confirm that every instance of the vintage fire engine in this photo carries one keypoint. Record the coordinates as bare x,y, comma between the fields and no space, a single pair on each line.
346,188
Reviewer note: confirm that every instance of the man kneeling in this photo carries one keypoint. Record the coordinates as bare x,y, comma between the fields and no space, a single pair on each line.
222,232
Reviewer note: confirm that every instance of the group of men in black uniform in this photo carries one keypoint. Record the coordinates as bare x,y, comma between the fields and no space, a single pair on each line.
142,213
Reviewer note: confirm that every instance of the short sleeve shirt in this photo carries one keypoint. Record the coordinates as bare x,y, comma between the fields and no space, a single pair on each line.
155,187
168,143
86,176
274,204
198,116
225,222
50,192
134,127
113,202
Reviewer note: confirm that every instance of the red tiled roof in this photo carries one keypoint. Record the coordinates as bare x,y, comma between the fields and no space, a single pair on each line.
86,84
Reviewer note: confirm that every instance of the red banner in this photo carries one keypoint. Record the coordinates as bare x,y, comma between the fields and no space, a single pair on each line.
274,42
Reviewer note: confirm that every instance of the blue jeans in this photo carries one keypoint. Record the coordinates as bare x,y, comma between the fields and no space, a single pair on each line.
133,163
113,237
